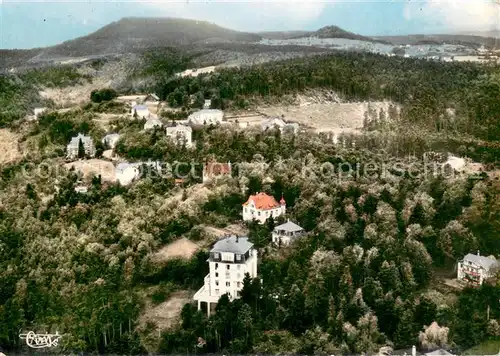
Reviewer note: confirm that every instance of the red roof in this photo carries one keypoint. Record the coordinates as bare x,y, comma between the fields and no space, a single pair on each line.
217,169
262,201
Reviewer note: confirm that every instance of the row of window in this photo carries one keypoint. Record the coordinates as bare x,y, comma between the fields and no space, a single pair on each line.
228,284
266,213
217,256
228,267
227,275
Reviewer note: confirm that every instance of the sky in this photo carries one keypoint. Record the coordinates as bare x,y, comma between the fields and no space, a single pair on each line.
29,24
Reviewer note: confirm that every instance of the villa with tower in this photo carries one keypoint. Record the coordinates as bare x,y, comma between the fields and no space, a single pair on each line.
229,260
261,206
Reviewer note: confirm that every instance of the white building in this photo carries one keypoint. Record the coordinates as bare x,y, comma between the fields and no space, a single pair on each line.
38,112
152,123
151,99
285,233
111,140
476,268
230,259
126,173
181,134
261,206
88,145
213,170
206,117
207,104
141,110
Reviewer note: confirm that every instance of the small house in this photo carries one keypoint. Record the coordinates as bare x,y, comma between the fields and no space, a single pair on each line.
474,269
180,134
152,123
110,140
151,99
207,104
73,146
126,173
141,111
214,170
206,117
38,112
261,206
285,233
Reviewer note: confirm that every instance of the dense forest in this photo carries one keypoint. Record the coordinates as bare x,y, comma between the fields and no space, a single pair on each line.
368,273
362,278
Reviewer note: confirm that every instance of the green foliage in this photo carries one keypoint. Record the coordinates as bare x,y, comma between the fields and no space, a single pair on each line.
102,95
19,94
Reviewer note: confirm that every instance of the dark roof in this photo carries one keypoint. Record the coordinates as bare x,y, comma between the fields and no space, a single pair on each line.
232,244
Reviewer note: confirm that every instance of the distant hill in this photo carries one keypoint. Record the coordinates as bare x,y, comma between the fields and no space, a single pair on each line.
132,34
284,35
491,33
337,32
466,40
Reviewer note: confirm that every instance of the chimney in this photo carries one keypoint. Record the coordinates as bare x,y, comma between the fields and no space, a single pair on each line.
413,351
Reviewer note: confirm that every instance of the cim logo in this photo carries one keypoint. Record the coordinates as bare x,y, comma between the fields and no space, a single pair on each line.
40,341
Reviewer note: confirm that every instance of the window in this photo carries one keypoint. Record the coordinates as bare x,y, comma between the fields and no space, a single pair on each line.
238,257
246,210
258,213
216,255
239,266
228,267
216,291
216,265
216,274
238,284
228,284
216,283
239,276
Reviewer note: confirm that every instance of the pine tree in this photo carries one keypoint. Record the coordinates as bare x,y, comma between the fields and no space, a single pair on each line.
81,149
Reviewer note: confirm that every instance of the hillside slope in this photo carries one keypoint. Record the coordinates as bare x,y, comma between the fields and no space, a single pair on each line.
439,39
337,32
132,34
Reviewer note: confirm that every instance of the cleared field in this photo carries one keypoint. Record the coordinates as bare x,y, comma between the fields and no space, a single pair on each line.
196,71
94,167
9,147
182,248
325,117
166,314
74,95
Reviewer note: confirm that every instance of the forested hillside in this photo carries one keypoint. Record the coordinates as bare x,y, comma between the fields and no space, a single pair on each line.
381,242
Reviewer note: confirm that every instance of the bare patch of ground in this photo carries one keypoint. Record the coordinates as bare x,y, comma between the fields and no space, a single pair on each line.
196,71
326,117
182,248
9,147
93,167
233,229
74,95
165,315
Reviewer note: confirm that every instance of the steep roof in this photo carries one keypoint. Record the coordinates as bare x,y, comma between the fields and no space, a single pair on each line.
485,262
289,226
216,169
233,244
262,201
76,140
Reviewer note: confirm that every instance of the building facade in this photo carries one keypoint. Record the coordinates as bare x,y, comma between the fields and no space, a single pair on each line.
284,234
180,134
230,259
214,170
88,145
474,269
261,206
